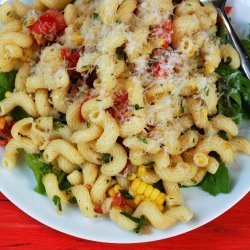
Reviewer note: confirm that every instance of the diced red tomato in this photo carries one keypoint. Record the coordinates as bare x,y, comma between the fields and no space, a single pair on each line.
228,10
119,201
120,108
164,31
70,56
5,133
98,209
48,26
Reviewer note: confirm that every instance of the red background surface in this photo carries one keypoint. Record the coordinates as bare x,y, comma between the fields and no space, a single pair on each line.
229,231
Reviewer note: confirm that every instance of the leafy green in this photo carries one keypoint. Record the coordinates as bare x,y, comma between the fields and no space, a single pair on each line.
222,134
235,93
18,113
137,107
57,201
222,33
61,119
140,221
217,183
159,186
7,83
58,125
107,158
126,194
39,169
95,15
73,200
120,53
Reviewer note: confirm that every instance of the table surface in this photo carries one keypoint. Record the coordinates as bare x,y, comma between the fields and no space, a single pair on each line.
230,231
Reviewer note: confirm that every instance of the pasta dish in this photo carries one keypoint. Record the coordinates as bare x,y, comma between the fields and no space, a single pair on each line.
118,104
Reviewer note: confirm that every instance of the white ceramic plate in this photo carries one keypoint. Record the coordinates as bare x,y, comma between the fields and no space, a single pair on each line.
18,185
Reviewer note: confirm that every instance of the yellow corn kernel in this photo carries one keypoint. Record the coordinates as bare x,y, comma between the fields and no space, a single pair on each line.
226,145
135,184
142,187
141,171
154,194
7,94
160,207
160,199
127,209
77,39
111,192
201,160
138,199
131,177
148,191
117,188
208,69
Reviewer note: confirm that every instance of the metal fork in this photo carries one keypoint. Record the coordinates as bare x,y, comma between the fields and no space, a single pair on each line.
220,6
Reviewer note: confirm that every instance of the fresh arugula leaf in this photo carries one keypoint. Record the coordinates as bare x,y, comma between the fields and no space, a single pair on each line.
7,83
235,93
39,169
107,158
18,113
126,194
140,221
217,183
57,201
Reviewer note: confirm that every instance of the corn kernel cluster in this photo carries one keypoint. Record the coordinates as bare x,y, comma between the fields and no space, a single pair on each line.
143,191
114,190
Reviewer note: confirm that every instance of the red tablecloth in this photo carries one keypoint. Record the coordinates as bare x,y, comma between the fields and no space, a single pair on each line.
229,231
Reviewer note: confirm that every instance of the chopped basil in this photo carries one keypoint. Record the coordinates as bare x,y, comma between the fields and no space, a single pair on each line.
223,135
159,185
202,4
98,100
137,107
95,15
58,126
85,66
142,139
73,200
120,53
2,138
107,158
140,221
126,194
57,202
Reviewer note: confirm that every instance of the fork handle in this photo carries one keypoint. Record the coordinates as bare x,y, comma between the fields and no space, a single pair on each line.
245,63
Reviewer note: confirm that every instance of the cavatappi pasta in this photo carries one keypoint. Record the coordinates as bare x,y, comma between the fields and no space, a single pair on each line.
135,82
